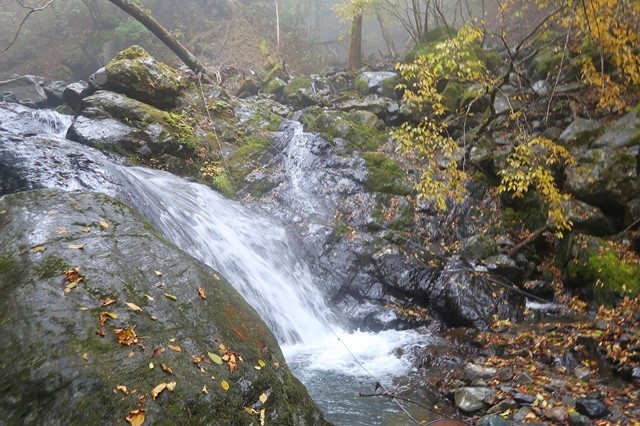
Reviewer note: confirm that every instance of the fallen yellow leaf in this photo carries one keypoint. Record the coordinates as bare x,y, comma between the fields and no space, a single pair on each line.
136,417
133,307
77,246
122,389
263,397
158,273
156,391
224,385
38,249
171,386
104,224
175,348
170,296
204,389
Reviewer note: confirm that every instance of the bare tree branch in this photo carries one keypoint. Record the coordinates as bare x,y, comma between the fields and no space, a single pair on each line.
31,11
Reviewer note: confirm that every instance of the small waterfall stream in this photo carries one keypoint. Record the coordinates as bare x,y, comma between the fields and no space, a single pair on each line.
256,255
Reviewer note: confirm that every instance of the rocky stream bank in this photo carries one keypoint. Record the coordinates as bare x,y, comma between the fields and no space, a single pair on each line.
315,153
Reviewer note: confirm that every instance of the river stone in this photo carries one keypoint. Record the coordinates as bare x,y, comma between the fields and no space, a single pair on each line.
99,80
473,372
55,91
580,128
491,420
624,133
592,407
57,367
576,419
604,177
479,246
138,75
373,81
556,414
25,89
470,399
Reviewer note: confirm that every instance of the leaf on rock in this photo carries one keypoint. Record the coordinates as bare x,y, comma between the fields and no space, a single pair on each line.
122,389
133,307
38,249
73,277
175,348
261,363
149,298
224,385
166,368
85,357
104,224
106,302
263,397
104,316
61,230
156,391
136,417
171,386
205,390
126,336
158,273
202,293
157,351
71,286
86,230
262,417
215,358
100,332
170,296
77,246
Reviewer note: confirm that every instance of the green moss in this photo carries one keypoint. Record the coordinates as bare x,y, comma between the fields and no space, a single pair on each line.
361,86
359,133
222,183
384,174
597,264
296,84
263,119
389,86
51,266
247,155
133,52
452,95
340,228
9,269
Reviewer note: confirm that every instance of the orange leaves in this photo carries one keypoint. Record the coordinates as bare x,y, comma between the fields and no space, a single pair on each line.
104,316
126,336
162,386
202,293
73,277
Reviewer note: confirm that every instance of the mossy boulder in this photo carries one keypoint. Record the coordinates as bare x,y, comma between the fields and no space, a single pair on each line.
385,175
361,130
624,133
138,75
114,122
604,177
62,361
601,270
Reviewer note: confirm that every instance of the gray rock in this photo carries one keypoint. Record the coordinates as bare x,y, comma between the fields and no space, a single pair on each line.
541,88
59,368
503,265
604,177
502,406
588,219
524,378
635,374
375,105
470,399
99,79
374,80
582,373
522,414
479,246
592,407
473,372
25,90
491,420
523,398
624,133
632,211
576,419
75,92
580,128
501,104
55,91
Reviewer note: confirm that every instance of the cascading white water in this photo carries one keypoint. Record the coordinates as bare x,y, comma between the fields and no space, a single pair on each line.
51,123
252,252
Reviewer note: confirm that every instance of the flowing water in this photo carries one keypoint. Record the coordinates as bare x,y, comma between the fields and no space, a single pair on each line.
256,255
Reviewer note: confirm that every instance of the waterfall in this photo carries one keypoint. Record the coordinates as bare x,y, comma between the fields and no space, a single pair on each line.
251,251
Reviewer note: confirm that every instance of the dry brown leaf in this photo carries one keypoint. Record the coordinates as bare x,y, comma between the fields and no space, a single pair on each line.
175,348
122,389
38,249
171,386
104,316
126,336
204,389
157,351
77,246
166,368
106,302
100,332
104,224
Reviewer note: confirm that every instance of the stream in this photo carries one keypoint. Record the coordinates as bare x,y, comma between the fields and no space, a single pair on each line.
256,255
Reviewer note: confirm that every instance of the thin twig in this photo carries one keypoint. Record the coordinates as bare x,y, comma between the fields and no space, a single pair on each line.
31,10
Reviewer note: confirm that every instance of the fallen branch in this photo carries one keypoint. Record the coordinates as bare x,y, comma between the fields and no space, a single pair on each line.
530,239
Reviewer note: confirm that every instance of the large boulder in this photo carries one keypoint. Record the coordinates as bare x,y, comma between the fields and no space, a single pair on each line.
138,75
26,90
605,177
624,133
103,320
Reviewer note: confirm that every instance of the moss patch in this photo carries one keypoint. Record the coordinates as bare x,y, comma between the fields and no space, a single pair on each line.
385,174
296,84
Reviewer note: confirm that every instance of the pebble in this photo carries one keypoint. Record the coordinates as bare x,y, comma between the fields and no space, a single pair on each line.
582,373
473,372
556,414
470,399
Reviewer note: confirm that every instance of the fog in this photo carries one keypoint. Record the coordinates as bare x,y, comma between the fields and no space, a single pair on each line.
70,39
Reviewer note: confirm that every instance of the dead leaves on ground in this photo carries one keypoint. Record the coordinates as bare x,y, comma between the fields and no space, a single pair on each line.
126,336
73,277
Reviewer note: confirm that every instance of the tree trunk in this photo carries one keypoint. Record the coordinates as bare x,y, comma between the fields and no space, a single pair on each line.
159,31
354,61
387,37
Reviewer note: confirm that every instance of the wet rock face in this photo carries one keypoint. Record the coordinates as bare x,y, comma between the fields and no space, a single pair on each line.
26,89
138,75
61,359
